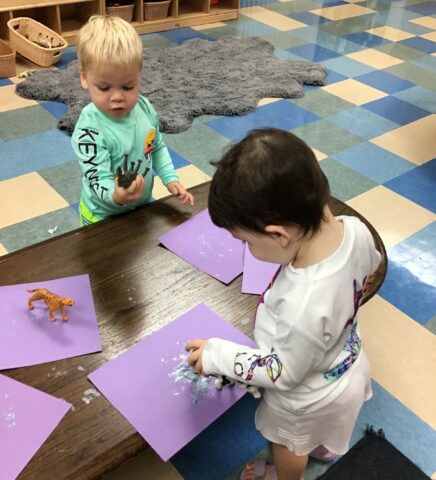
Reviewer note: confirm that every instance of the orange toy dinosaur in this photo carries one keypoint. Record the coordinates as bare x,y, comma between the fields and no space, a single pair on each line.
54,302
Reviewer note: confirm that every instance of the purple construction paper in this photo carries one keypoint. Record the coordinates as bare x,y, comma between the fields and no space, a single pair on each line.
28,416
209,248
139,385
29,337
257,274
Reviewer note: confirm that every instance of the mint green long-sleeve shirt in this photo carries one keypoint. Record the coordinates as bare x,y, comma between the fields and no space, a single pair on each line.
101,142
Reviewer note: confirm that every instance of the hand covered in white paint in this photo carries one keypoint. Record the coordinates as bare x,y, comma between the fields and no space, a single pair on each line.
196,347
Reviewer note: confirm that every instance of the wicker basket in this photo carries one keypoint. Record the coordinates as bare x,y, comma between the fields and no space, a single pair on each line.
123,11
156,10
24,32
7,60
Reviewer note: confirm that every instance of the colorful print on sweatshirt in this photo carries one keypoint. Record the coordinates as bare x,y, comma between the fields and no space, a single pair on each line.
245,365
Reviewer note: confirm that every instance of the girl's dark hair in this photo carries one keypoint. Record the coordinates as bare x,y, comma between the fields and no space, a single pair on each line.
271,177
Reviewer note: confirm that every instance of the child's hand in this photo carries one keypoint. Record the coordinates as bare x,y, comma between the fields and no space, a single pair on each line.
134,192
179,191
196,348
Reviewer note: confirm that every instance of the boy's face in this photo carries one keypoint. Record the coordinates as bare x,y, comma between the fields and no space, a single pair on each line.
277,245
113,90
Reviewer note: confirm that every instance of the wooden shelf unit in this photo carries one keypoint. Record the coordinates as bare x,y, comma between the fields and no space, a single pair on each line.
66,17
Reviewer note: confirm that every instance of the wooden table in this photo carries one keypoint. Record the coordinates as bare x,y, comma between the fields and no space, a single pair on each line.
123,259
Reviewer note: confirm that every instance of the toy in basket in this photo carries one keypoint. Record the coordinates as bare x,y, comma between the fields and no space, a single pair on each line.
35,41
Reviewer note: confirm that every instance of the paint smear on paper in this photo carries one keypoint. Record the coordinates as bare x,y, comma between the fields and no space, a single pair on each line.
184,373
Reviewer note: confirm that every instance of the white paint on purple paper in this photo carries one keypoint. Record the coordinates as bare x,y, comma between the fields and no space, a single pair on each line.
209,248
138,384
28,416
9,417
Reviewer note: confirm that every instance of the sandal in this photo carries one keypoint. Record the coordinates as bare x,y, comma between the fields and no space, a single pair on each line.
323,454
258,470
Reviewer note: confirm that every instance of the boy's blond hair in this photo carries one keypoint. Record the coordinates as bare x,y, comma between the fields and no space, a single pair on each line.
108,40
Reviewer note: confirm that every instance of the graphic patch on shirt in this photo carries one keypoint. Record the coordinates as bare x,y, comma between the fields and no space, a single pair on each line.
150,137
357,298
353,346
244,365
353,343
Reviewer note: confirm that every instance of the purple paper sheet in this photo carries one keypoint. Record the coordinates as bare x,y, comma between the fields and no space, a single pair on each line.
209,248
29,337
257,274
28,416
139,385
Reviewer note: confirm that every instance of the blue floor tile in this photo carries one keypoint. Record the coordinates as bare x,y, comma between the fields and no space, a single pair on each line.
332,77
75,207
255,3
331,3
396,110
428,8
348,67
410,281
421,44
419,96
178,160
66,58
374,162
418,185
35,152
282,114
363,122
180,35
57,109
313,35
314,53
384,81
307,17
366,39
426,61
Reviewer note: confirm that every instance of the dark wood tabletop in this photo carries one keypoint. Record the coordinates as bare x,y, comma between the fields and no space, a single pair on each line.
121,255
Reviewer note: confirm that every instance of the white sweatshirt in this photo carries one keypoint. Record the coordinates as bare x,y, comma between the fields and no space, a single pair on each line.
305,328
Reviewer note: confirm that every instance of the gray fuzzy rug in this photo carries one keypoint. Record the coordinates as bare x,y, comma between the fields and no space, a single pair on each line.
226,77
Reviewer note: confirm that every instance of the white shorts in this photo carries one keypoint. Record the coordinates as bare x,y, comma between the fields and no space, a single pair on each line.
330,426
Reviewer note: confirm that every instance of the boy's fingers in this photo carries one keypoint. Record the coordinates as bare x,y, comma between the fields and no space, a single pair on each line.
132,187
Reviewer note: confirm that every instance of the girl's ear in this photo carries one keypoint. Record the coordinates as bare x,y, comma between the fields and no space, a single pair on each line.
83,80
280,233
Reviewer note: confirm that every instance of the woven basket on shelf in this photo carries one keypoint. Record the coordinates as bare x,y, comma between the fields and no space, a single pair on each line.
7,60
24,32
123,11
156,10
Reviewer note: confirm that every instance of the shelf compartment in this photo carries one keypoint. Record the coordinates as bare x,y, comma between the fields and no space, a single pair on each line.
73,16
48,16
192,7
4,19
